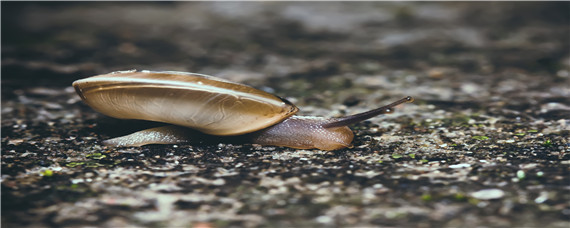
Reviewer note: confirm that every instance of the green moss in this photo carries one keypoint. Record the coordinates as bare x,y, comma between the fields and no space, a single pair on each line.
427,197
93,164
547,143
97,156
413,156
221,223
47,173
473,201
480,137
74,164
458,120
396,156
459,197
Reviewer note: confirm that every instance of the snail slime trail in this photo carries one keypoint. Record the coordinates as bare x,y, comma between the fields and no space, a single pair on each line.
193,103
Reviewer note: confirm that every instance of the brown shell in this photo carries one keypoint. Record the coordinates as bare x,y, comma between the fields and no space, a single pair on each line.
208,104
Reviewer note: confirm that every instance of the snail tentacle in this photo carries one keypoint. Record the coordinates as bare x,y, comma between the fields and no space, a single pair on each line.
348,120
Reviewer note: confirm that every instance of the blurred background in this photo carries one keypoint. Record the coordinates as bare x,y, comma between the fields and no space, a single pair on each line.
483,74
67,40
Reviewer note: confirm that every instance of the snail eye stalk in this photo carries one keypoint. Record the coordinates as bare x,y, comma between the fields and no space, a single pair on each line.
348,120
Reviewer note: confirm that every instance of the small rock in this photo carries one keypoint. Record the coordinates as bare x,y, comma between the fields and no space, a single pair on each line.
15,142
488,194
324,219
459,166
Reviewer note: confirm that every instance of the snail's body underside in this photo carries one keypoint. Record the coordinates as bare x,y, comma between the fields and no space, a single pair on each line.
199,105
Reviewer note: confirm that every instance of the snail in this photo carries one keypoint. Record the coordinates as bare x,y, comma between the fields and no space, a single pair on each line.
211,106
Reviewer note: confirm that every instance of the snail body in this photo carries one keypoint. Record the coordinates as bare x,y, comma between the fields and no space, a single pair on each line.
211,106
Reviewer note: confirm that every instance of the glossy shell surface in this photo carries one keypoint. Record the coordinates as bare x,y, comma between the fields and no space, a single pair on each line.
208,104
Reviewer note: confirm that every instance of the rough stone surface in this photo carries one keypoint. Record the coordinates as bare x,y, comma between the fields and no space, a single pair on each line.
484,145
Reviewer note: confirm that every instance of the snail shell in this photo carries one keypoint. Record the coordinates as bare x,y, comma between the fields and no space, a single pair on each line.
207,104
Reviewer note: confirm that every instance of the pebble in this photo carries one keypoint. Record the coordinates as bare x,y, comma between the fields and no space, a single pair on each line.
324,219
488,194
459,166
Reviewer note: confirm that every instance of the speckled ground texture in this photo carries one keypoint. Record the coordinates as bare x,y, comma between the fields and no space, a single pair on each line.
485,144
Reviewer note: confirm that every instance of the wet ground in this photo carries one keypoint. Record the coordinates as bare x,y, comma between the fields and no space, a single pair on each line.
484,144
